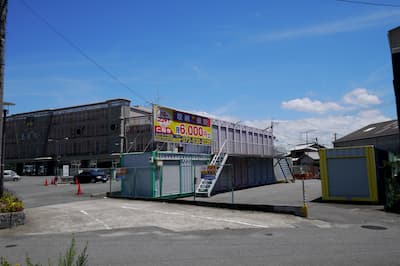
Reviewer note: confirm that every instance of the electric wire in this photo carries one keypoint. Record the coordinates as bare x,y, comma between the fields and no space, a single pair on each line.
368,3
82,52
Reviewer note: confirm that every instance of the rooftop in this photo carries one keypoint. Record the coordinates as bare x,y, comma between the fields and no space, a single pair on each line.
310,146
376,130
76,108
313,155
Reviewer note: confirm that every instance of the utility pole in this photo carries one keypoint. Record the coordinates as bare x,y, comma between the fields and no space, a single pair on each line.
3,18
306,132
394,42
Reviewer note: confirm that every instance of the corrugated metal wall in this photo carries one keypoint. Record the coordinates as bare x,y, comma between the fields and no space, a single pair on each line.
244,172
138,179
241,139
173,177
351,174
137,183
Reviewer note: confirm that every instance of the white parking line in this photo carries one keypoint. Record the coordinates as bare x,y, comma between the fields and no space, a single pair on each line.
229,221
199,217
321,224
97,220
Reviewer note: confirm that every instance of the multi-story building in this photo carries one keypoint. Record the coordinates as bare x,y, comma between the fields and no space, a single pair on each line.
92,135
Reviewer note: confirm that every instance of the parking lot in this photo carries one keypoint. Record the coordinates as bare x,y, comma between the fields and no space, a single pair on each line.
184,234
57,209
34,193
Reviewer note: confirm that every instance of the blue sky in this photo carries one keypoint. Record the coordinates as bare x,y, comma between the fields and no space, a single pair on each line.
318,66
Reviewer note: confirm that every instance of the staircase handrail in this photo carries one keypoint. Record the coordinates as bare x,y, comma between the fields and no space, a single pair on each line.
214,160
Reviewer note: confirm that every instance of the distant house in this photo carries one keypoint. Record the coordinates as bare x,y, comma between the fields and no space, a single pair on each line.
306,160
309,158
300,150
383,136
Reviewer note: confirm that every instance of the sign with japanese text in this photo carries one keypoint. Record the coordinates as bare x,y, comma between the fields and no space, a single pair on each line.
120,173
180,127
210,173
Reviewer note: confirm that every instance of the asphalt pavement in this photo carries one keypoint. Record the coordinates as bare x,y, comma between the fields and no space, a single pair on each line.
56,209
136,232
291,194
34,193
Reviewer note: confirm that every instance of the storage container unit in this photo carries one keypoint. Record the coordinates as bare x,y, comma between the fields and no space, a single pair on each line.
352,173
245,172
161,174
241,139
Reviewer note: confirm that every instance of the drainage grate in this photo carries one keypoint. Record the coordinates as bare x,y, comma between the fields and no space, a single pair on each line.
11,246
373,227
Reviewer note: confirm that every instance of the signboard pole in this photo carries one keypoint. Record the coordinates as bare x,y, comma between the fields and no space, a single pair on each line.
394,42
194,183
153,107
232,183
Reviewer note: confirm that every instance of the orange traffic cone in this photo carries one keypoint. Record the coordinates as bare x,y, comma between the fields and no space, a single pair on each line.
52,181
79,190
45,183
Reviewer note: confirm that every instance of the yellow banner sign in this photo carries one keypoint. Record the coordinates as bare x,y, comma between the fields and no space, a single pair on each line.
180,127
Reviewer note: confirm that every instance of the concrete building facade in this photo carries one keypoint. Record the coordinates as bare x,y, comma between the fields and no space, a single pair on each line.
92,135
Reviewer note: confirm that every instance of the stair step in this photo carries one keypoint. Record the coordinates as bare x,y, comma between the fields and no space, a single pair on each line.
205,186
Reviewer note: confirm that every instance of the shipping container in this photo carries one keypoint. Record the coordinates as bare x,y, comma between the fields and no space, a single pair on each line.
352,173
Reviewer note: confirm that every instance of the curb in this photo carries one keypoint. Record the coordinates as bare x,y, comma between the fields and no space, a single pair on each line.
293,210
100,194
10,219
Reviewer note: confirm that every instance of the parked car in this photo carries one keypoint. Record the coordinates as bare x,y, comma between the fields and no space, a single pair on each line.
91,176
10,175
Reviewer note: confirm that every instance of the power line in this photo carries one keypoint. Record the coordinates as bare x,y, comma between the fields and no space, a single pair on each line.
368,3
82,53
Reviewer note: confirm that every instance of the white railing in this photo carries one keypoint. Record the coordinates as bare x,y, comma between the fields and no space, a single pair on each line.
221,150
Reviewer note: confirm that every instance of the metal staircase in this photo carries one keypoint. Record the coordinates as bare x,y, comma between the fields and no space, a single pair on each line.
283,168
206,184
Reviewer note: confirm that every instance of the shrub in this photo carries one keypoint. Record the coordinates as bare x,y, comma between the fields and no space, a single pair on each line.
10,203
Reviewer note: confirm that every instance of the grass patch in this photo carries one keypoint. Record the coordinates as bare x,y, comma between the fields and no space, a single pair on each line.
68,259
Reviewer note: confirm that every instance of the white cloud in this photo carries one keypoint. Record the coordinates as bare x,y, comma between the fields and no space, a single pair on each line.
307,105
344,25
361,97
289,133
357,98
292,132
